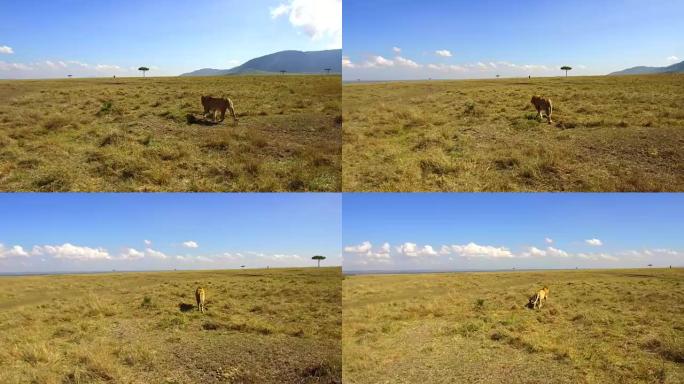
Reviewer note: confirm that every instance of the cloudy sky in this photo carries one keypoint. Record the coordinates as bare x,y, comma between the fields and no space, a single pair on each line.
100,232
403,39
88,38
459,231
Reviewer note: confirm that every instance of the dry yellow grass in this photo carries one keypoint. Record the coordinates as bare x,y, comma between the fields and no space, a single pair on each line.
261,326
600,326
133,135
609,134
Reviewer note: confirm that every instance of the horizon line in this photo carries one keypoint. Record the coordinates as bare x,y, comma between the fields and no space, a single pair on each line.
265,74
113,271
428,271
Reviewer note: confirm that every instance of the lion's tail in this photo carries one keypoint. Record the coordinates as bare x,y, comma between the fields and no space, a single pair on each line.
232,109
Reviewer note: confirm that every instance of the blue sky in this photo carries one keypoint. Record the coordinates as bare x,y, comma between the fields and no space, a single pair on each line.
96,232
114,37
459,231
401,39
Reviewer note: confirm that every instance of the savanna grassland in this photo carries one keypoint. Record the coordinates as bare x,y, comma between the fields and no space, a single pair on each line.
623,133
598,326
260,326
133,134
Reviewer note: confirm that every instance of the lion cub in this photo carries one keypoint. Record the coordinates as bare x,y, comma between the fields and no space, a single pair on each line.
200,296
542,104
215,105
536,299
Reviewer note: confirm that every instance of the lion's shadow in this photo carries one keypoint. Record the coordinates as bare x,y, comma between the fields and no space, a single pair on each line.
192,119
185,307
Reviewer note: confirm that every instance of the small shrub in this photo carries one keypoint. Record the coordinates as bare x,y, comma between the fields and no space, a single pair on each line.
147,302
106,108
471,109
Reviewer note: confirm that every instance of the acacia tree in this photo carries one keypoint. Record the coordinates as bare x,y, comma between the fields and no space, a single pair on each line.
566,69
282,71
327,70
318,258
143,70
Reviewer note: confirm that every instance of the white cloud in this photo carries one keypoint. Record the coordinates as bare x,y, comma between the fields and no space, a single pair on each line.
6,50
379,61
190,244
79,64
672,59
594,242
551,251
412,250
597,256
366,255
396,50
446,68
131,254
15,251
361,248
477,69
107,68
319,19
62,68
14,67
281,256
347,63
475,250
71,252
155,254
534,252
193,259
443,53
148,242
651,252
548,240
666,251
406,62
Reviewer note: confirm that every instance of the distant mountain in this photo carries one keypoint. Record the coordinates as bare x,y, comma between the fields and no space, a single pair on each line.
290,61
674,68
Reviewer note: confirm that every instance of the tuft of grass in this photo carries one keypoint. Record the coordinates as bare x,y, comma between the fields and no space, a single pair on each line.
57,122
106,108
147,303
